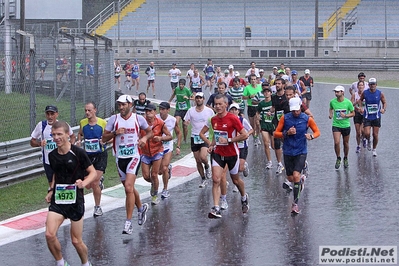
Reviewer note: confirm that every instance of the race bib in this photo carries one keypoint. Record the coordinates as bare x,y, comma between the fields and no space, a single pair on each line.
372,108
43,65
338,114
307,89
210,74
195,85
50,145
182,105
92,145
197,139
279,114
127,151
135,73
219,134
65,194
174,77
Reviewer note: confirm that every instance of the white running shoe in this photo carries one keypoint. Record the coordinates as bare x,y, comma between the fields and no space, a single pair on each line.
374,153
128,229
269,165
223,204
203,184
142,216
280,168
208,173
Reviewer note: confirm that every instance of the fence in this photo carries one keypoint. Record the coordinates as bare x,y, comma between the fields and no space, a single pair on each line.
64,70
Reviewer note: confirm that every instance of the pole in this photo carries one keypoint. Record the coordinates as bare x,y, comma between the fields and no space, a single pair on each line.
289,30
22,45
32,88
200,33
159,24
316,27
386,30
7,52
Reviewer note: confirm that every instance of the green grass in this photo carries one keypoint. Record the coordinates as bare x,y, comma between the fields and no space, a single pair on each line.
15,110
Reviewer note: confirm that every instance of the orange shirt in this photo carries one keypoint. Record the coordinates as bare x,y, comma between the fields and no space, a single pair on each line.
152,147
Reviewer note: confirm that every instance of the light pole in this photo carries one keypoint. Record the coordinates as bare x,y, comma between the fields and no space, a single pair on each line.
316,27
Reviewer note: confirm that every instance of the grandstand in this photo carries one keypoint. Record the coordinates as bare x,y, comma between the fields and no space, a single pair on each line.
263,19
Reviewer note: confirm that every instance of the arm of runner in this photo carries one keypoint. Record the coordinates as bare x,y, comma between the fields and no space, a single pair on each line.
167,134
278,133
243,135
179,137
80,135
384,103
314,128
92,175
172,96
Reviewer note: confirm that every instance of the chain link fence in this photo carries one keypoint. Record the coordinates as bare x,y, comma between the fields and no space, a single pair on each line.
64,70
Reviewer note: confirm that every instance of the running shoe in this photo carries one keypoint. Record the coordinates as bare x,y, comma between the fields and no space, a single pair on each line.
369,145
66,263
337,164
152,190
142,216
246,170
214,213
235,188
101,184
223,204
295,208
165,194
364,142
269,165
203,184
97,211
374,153
357,149
170,170
305,169
128,229
208,173
280,168
287,186
245,204
346,163
154,200
258,141
303,179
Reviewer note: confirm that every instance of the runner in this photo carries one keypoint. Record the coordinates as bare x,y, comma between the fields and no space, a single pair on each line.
150,71
373,98
117,73
209,71
308,82
250,92
266,123
127,67
358,118
174,74
166,168
341,109
140,104
41,137
196,82
124,129
228,130
152,151
90,132
293,128
183,97
72,172
198,116
136,75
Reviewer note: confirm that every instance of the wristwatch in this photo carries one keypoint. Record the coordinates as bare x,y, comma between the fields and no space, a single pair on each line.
229,140
114,132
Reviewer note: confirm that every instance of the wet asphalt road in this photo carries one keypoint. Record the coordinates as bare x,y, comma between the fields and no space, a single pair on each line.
357,206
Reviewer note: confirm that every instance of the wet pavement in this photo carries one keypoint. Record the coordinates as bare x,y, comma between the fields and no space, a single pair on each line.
357,206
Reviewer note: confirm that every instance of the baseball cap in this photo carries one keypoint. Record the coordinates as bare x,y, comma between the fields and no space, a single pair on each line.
164,105
234,105
125,99
275,67
231,67
307,71
361,74
135,60
236,74
295,104
339,88
261,70
285,77
265,83
150,107
51,108
226,71
173,64
294,72
266,89
199,94
372,81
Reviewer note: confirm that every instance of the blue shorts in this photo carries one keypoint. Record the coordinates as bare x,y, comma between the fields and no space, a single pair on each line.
148,160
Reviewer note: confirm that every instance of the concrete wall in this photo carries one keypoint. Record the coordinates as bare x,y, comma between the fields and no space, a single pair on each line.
228,48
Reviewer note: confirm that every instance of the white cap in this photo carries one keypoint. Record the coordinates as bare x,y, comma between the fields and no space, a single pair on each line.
200,94
372,80
125,99
307,71
295,104
261,70
231,67
285,77
236,74
234,105
339,88
226,71
275,67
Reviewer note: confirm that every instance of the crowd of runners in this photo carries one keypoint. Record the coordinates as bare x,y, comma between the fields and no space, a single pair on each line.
227,114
